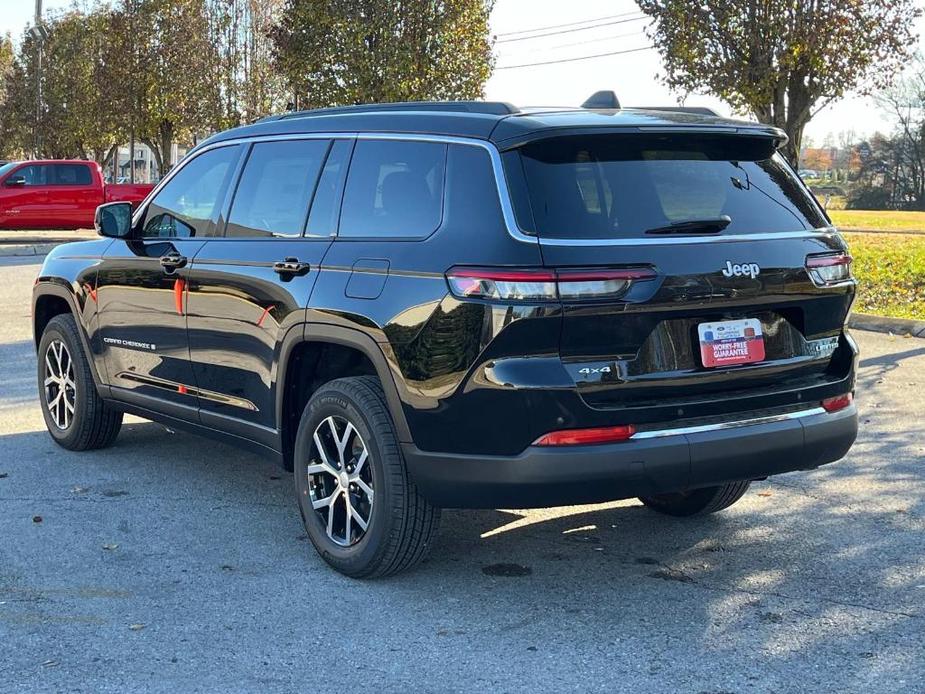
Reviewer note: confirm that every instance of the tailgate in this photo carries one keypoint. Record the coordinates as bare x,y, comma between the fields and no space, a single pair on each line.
729,231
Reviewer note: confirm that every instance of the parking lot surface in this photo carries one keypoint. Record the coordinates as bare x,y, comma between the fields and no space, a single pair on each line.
172,563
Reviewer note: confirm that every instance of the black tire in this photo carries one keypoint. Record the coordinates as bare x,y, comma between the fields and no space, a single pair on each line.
92,423
402,524
697,502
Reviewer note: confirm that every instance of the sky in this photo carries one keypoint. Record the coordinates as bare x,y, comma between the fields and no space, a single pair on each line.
633,76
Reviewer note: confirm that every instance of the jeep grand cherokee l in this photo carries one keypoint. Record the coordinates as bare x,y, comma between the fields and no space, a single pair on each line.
419,306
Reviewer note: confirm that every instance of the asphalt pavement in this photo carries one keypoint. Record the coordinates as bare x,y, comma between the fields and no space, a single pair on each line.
171,563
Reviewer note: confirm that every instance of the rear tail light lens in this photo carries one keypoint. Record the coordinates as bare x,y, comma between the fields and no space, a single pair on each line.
543,285
829,269
513,285
578,437
839,402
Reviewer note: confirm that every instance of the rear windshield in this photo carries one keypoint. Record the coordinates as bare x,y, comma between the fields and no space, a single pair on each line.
629,186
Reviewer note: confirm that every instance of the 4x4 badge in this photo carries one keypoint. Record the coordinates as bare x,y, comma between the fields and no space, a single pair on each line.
741,270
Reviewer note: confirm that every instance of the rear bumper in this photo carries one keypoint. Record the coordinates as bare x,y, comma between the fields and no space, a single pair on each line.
650,463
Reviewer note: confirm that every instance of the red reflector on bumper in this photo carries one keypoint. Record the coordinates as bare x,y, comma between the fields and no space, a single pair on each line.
577,437
839,402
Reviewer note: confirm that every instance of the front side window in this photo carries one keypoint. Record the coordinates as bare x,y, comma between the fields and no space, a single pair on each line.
35,174
394,189
186,205
627,186
276,188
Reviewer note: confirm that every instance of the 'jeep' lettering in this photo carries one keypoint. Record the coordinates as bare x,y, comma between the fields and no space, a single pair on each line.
741,270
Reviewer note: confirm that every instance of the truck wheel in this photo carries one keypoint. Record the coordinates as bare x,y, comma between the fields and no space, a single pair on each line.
697,501
360,509
76,416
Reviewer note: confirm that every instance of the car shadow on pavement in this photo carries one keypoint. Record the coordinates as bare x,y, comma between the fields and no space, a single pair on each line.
805,568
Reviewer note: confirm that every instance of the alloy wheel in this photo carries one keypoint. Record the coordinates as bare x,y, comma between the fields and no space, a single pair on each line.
340,480
60,386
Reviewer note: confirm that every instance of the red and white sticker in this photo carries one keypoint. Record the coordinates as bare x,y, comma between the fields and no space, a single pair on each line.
727,343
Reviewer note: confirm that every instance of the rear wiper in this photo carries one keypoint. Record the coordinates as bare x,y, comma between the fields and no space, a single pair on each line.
710,225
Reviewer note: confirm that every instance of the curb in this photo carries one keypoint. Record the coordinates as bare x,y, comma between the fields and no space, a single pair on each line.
15,250
883,324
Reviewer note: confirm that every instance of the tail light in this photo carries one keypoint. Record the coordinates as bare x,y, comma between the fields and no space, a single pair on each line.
543,285
839,402
829,269
577,437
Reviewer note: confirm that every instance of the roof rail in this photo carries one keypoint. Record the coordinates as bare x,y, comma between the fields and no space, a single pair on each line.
699,110
494,108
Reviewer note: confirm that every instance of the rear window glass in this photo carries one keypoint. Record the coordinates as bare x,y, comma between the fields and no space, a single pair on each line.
623,186
70,175
275,189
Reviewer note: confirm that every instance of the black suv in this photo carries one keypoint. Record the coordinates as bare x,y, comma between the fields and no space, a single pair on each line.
429,305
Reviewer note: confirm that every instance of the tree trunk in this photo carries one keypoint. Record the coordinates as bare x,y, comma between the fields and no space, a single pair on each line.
165,131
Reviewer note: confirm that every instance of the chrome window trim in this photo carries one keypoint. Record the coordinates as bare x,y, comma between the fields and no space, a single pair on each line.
720,426
507,205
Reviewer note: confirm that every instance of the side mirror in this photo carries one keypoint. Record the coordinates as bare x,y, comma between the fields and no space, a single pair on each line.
114,220
16,181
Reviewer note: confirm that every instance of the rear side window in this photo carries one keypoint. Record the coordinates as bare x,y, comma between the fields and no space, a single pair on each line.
276,188
185,206
394,189
621,186
69,175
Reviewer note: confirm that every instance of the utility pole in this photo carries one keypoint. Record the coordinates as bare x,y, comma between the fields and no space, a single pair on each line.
39,34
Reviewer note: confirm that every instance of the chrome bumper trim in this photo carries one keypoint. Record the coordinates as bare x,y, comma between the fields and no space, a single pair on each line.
719,426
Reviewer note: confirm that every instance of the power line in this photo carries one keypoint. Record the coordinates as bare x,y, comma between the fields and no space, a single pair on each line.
569,24
572,60
569,31
585,42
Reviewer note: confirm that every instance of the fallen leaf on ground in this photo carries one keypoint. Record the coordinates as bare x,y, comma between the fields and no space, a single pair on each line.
764,493
110,546
36,519
137,627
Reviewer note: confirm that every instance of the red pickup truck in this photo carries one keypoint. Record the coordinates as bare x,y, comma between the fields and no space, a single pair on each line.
58,193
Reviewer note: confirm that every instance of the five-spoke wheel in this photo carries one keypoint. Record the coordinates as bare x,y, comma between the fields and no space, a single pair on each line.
60,386
76,416
340,481
360,508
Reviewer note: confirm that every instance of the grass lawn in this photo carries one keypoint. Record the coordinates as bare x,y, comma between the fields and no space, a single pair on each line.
890,269
883,220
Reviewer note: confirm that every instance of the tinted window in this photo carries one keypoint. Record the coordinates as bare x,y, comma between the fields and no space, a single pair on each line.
472,204
322,221
69,175
184,207
35,175
394,189
275,189
613,186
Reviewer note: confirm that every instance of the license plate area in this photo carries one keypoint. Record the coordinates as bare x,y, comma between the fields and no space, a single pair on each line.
727,343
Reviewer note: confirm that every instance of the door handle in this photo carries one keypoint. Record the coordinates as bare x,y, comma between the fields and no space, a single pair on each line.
172,261
290,266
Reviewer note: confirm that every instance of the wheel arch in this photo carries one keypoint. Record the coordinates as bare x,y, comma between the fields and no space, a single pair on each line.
50,299
319,353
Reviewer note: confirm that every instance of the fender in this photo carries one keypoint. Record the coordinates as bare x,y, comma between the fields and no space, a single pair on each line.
61,288
348,337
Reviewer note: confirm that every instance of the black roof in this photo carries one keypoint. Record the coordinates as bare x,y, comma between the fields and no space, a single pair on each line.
497,122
